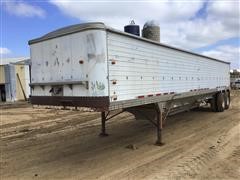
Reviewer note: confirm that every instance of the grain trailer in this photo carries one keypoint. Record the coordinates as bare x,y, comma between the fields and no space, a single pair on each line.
92,65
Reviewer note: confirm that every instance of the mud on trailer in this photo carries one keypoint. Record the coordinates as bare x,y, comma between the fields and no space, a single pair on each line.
92,65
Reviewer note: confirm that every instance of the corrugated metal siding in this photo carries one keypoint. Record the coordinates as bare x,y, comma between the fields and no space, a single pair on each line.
27,80
10,86
2,75
143,68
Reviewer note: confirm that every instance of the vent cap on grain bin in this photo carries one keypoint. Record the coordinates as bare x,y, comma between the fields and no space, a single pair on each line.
132,28
151,30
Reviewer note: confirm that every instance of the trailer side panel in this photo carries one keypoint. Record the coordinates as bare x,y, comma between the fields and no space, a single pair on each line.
142,69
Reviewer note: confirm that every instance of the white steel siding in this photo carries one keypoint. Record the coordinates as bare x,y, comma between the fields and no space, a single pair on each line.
58,60
141,68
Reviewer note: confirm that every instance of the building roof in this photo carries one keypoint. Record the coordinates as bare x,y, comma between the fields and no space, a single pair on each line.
99,25
17,60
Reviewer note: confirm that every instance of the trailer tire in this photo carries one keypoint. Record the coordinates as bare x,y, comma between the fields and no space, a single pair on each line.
213,104
227,99
220,102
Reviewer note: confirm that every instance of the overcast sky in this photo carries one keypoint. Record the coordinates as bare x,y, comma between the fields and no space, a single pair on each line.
208,27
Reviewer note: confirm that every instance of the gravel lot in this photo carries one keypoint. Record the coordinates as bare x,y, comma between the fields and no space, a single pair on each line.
64,144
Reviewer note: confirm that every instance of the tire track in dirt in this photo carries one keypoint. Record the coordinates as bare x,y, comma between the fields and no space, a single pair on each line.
200,159
44,127
72,124
75,152
191,166
236,152
68,150
36,118
54,126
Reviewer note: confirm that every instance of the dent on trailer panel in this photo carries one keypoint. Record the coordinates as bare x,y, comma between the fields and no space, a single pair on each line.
36,59
79,56
57,59
89,57
64,50
97,63
47,70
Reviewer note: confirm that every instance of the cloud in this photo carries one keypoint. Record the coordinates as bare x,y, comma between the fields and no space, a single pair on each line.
23,9
227,53
185,24
4,51
178,22
110,11
117,14
221,22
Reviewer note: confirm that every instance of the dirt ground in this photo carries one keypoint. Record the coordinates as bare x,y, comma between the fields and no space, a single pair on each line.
60,144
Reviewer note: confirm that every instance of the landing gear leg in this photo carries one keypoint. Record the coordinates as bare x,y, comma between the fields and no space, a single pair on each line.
103,133
159,125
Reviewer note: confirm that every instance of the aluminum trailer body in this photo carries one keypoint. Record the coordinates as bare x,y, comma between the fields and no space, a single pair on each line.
92,65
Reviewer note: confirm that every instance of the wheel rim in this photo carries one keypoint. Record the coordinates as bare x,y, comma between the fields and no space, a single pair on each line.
223,104
227,102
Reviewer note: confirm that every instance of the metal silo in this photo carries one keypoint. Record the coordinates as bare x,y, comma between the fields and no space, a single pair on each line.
151,30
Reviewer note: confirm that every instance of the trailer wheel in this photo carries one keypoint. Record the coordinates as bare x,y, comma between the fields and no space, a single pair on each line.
227,99
213,104
220,102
